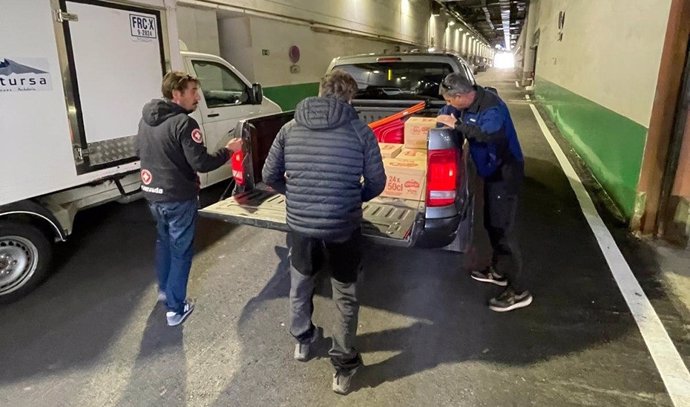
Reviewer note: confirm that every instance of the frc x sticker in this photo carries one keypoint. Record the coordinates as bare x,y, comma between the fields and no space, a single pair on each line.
146,177
142,26
196,136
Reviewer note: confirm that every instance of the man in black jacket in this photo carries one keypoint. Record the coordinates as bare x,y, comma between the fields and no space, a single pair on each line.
318,161
171,149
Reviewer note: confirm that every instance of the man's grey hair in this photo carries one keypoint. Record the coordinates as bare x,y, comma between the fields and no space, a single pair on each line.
338,84
455,84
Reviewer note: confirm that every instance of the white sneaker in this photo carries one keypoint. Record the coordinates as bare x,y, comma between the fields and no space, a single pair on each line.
161,296
175,319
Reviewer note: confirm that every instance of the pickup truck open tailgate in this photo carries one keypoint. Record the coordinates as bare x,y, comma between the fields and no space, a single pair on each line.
389,219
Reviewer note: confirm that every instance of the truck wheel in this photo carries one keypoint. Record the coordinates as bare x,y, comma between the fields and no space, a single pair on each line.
25,254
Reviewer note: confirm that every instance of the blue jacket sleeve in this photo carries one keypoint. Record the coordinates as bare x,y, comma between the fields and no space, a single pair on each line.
486,128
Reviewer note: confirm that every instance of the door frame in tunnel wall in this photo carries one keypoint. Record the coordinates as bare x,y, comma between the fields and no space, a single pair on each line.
534,62
673,224
661,125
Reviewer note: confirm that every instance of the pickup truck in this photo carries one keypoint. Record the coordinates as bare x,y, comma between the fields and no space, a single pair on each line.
388,84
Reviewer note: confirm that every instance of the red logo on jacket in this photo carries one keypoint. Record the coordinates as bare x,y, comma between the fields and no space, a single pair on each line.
146,177
196,136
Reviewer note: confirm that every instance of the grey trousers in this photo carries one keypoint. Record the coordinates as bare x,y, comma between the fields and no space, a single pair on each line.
302,285
343,353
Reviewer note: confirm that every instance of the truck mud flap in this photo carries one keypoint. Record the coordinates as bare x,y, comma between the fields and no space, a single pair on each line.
383,218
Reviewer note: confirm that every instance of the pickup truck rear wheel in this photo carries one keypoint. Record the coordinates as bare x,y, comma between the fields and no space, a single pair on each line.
25,254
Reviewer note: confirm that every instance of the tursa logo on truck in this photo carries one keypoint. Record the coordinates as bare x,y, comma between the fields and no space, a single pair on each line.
143,26
29,75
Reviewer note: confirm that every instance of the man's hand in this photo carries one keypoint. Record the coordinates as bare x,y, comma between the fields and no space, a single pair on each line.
467,130
234,145
447,119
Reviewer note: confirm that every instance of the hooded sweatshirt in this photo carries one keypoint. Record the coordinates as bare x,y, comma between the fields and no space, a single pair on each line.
318,160
171,148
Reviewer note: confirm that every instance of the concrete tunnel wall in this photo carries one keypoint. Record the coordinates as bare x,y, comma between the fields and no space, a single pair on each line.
596,75
258,45
264,57
337,27
198,29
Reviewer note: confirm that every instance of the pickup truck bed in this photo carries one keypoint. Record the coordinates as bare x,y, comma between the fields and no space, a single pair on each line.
390,221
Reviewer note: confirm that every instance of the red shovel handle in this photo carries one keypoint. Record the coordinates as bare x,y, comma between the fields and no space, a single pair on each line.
411,110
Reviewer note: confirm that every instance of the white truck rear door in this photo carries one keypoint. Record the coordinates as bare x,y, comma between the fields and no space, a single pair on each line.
117,56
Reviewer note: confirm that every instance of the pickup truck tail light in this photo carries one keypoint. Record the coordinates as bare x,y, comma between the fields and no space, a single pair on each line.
237,167
442,173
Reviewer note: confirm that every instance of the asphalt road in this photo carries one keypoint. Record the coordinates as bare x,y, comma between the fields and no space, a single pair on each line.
93,335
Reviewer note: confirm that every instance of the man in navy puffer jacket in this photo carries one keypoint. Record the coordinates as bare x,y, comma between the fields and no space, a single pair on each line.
327,162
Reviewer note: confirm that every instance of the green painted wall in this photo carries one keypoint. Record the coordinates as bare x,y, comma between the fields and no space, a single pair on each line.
611,144
289,95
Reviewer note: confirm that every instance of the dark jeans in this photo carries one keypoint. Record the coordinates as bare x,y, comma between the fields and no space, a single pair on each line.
500,209
308,256
175,223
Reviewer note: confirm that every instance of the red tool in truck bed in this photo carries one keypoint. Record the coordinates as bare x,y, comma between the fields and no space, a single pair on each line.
390,129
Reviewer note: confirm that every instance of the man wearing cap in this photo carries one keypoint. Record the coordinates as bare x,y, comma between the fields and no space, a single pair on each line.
483,119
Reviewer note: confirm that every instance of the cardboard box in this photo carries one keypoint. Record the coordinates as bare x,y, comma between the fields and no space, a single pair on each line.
389,150
412,154
417,131
406,179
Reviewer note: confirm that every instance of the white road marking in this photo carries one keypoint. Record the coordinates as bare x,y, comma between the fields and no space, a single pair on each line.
668,362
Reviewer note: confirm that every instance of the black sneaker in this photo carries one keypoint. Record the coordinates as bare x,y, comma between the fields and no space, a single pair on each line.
509,300
489,275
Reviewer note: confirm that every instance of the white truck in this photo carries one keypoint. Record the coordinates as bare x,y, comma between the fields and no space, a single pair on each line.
74,75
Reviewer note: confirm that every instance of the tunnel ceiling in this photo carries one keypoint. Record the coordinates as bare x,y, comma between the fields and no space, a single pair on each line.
499,21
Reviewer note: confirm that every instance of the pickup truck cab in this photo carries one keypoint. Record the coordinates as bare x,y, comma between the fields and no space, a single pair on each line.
387,84
226,97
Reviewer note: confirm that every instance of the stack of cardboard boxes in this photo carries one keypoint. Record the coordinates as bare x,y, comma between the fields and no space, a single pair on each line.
406,163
